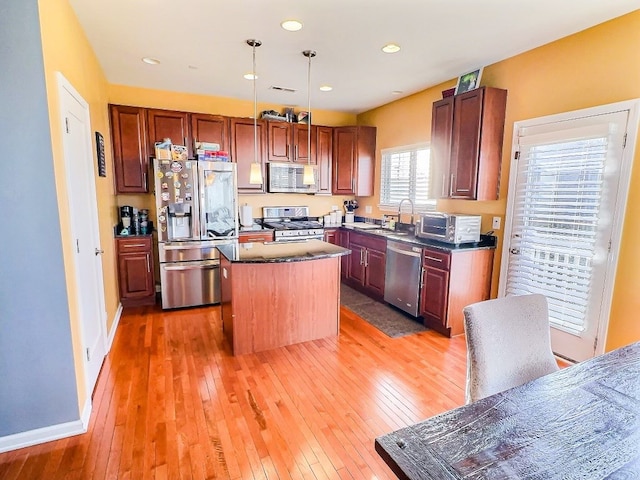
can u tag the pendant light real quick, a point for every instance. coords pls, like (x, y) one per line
(255, 174)
(308, 177)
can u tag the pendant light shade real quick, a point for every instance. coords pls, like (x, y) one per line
(255, 174)
(308, 177)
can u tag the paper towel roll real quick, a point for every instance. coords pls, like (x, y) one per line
(246, 215)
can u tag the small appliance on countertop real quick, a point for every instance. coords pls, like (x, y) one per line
(449, 227)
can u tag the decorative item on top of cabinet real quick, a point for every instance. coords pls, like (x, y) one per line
(367, 264)
(323, 150)
(466, 143)
(451, 281)
(242, 152)
(169, 124)
(354, 155)
(130, 154)
(211, 129)
(287, 142)
(135, 270)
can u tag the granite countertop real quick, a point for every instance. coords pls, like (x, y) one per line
(277, 252)
(486, 241)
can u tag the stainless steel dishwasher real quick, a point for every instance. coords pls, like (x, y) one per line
(402, 276)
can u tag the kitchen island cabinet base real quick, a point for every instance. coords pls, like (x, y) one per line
(271, 305)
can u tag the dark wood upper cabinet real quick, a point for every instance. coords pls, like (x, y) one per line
(323, 148)
(130, 154)
(441, 131)
(288, 142)
(210, 128)
(471, 157)
(300, 138)
(353, 160)
(169, 124)
(279, 135)
(242, 152)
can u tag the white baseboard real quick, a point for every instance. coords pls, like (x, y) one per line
(114, 327)
(45, 434)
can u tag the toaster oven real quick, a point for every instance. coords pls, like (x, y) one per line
(449, 228)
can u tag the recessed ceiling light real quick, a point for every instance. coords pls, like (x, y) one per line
(326, 88)
(291, 25)
(250, 76)
(391, 48)
(396, 92)
(150, 61)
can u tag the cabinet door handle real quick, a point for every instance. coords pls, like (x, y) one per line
(295, 153)
(287, 152)
(426, 257)
(144, 179)
(148, 264)
(361, 257)
(366, 258)
(451, 184)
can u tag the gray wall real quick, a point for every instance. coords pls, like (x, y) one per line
(37, 379)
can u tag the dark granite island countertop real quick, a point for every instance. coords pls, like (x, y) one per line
(276, 252)
(278, 294)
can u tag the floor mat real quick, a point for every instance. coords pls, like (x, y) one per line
(387, 319)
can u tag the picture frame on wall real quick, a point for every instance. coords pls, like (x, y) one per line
(469, 81)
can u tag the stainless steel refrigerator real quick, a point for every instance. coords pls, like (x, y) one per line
(197, 210)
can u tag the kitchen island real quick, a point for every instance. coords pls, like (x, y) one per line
(277, 294)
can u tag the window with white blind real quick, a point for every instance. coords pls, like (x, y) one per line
(405, 173)
(563, 193)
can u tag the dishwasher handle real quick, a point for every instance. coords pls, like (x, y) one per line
(409, 253)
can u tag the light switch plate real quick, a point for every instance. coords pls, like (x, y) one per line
(367, 209)
(496, 223)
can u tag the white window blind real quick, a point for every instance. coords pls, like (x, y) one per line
(556, 210)
(405, 173)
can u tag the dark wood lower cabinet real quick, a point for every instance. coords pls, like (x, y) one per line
(367, 264)
(451, 281)
(135, 270)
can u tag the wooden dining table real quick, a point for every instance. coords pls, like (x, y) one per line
(581, 422)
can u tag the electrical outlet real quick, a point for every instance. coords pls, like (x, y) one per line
(496, 223)
(367, 209)
(334, 207)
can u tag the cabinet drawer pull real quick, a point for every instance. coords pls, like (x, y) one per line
(133, 245)
(426, 257)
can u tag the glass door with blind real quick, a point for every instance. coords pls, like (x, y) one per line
(562, 221)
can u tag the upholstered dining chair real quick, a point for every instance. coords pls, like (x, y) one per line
(508, 344)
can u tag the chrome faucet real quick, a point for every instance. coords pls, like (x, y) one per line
(400, 208)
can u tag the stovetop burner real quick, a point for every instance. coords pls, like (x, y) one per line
(291, 223)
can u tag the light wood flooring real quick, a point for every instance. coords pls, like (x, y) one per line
(171, 402)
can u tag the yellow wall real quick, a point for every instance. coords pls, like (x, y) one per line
(598, 66)
(66, 50)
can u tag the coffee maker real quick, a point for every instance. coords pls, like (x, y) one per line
(126, 215)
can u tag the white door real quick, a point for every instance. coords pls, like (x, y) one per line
(79, 165)
(567, 193)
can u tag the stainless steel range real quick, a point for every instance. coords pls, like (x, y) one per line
(291, 224)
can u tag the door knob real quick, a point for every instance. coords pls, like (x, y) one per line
(515, 251)
(99, 252)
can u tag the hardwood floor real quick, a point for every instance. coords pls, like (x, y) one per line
(171, 402)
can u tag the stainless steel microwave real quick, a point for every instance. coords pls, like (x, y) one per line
(449, 228)
(288, 178)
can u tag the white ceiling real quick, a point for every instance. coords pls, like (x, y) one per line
(201, 43)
